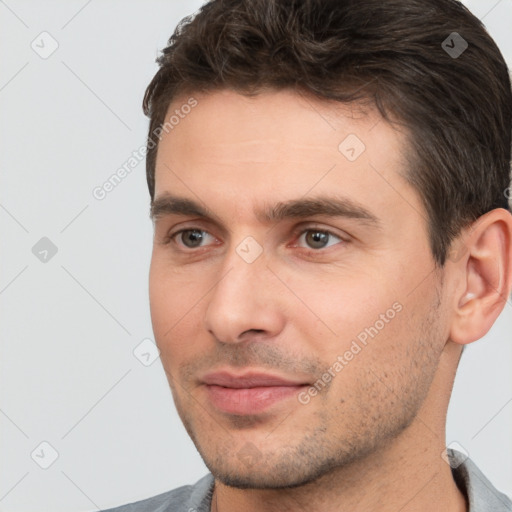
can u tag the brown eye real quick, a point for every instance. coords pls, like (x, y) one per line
(191, 238)
(318, 239)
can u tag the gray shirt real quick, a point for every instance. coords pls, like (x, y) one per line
(480, 493)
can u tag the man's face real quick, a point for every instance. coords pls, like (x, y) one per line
(343, 304)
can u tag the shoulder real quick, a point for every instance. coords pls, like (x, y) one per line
(480, 493)
(189, 498)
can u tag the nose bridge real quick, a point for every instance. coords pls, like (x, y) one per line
(244, 270)
(240, 301)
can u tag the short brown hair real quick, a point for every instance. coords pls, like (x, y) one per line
(394, 54)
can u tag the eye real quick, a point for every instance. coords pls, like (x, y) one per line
(191, 238)
(318, 238)
(314, 238)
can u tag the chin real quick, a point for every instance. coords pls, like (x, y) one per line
(260, 474)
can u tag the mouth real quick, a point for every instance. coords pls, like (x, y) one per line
(250, 393)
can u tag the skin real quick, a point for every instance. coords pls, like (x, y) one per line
(372, 439)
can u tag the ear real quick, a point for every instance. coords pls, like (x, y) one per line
(484, 275)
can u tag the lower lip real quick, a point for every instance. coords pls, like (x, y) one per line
(249, 400)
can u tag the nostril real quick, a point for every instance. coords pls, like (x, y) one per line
(257, 331)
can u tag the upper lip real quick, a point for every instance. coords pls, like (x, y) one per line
(247, 380)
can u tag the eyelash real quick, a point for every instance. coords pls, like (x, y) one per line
(296, 234)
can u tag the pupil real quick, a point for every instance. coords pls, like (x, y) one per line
(317, 238)
(194, 237)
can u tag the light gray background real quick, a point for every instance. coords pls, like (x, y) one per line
(69, 326)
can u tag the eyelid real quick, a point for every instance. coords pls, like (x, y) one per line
(189, 225)
(318, 227)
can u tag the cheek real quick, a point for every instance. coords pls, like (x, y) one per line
(359, 324)
(175, 303)
(344, 307)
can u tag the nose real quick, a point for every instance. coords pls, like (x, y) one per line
(246, 300)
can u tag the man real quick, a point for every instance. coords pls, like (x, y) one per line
(329, 183)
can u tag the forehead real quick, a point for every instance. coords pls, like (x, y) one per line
(280, 145)
(286, 121)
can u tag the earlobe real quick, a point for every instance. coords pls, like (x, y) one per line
(486, 277)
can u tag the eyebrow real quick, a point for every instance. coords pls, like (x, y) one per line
(293, 209)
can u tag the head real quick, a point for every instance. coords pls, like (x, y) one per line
(329, 187)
